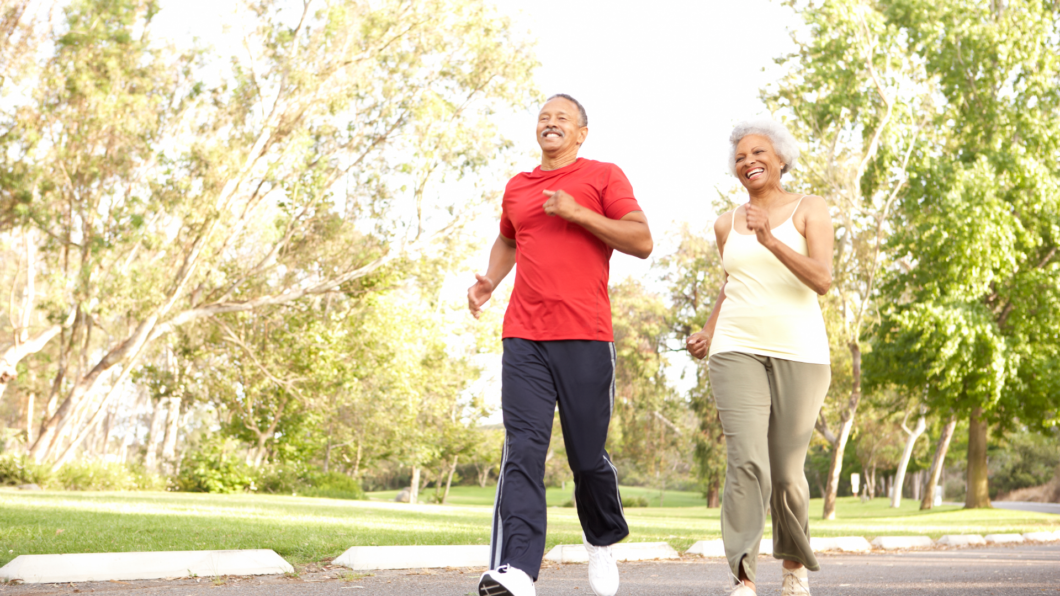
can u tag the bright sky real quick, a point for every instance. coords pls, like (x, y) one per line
(663, 84)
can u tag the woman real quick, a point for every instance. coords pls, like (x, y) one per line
(769, 362)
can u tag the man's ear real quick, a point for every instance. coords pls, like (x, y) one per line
(583, 132)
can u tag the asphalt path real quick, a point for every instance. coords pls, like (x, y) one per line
(994, 571)
(1026, 506)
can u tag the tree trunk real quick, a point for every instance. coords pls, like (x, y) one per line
(978, 486)
(449, 481)
(936, 464)
(154, 438)
(29, 417)
(714, 495)
(414, 486)
(835, 470)
(169, 443)
(907, 454)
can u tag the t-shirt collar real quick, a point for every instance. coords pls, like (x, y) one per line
(539, 173)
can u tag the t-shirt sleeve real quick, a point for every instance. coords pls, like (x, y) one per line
(507, 229)
(618, 196)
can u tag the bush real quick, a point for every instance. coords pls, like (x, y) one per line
(213, 469)
(283, 479)
(95, 476)
(19, 469)
(1030, 460)
(333, 485)
(628, 502)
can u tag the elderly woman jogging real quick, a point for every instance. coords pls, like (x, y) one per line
(768, 354)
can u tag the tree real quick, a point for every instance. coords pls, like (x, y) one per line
(858, 101)
(650, 426)
(161, 200)
(974, 314)
(694, 275)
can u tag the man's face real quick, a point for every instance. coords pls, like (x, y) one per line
(558, 127)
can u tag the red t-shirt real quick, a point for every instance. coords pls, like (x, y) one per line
(561, 268)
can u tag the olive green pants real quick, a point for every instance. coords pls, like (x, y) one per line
(767, 407)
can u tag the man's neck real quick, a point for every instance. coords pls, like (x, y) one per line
(555, 162)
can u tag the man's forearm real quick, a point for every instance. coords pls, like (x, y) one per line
(629, 235)
(502, 259)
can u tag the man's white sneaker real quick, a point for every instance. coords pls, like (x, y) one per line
(603, 571)
(796, 583)
(506, 581)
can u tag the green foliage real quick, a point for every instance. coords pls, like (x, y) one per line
(694, 276)
(214, 468)
(1027, 460)
(333, 485)
(19, 469)
(628, 502)
(95, 476)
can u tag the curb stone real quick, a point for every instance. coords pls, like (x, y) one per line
(902, 542)
(84, 567)
(364, 558)
(623, 551)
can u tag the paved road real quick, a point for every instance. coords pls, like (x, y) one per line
(1023, 506)
(994, 571)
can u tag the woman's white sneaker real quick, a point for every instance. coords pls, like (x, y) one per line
(506, 581)
(742, 590)
(603, 571)
(796, 582)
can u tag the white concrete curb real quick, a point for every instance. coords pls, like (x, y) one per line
(847, 544)
(47, 569)
(1042, 536)
(1004, 538)
(363, 558)
(900, 542)
(623, 551)
(709, 548)
(961, 540)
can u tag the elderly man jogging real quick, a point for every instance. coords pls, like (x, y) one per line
(560, 223)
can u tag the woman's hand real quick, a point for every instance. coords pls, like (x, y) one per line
(698, 344)
(758, 222)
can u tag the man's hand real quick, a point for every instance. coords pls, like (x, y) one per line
(478, 294)
(698, 344)
(561, 204)
(758, 222)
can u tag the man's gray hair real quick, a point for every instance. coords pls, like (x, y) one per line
(581, 109)
(783, 142)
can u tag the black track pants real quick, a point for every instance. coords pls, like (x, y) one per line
(536, 375)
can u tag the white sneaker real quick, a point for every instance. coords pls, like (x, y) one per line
(603, 571)
(506, 581)
(796, 582)
(742, 590)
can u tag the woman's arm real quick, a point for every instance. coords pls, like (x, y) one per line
(814, 270)
(698, 344)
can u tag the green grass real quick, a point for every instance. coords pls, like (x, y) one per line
(555, 497)
(305, 530)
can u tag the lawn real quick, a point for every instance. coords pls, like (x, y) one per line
(304, 530)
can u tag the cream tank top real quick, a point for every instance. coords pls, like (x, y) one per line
(767, 310)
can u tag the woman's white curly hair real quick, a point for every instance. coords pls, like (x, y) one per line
(783, 142)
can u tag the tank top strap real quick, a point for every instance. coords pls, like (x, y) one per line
(732, 224)
(791, 217)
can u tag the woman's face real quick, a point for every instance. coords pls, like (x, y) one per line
(757, 165)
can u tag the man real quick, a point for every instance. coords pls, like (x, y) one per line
(560, 223)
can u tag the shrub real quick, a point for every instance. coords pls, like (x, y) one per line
(19, 469)
(213, 469)
(628, 502)
(95, 476)
(1029, 460)
(283, 479)
(333, 485)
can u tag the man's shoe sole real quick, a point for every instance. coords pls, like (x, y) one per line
(489, 587)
